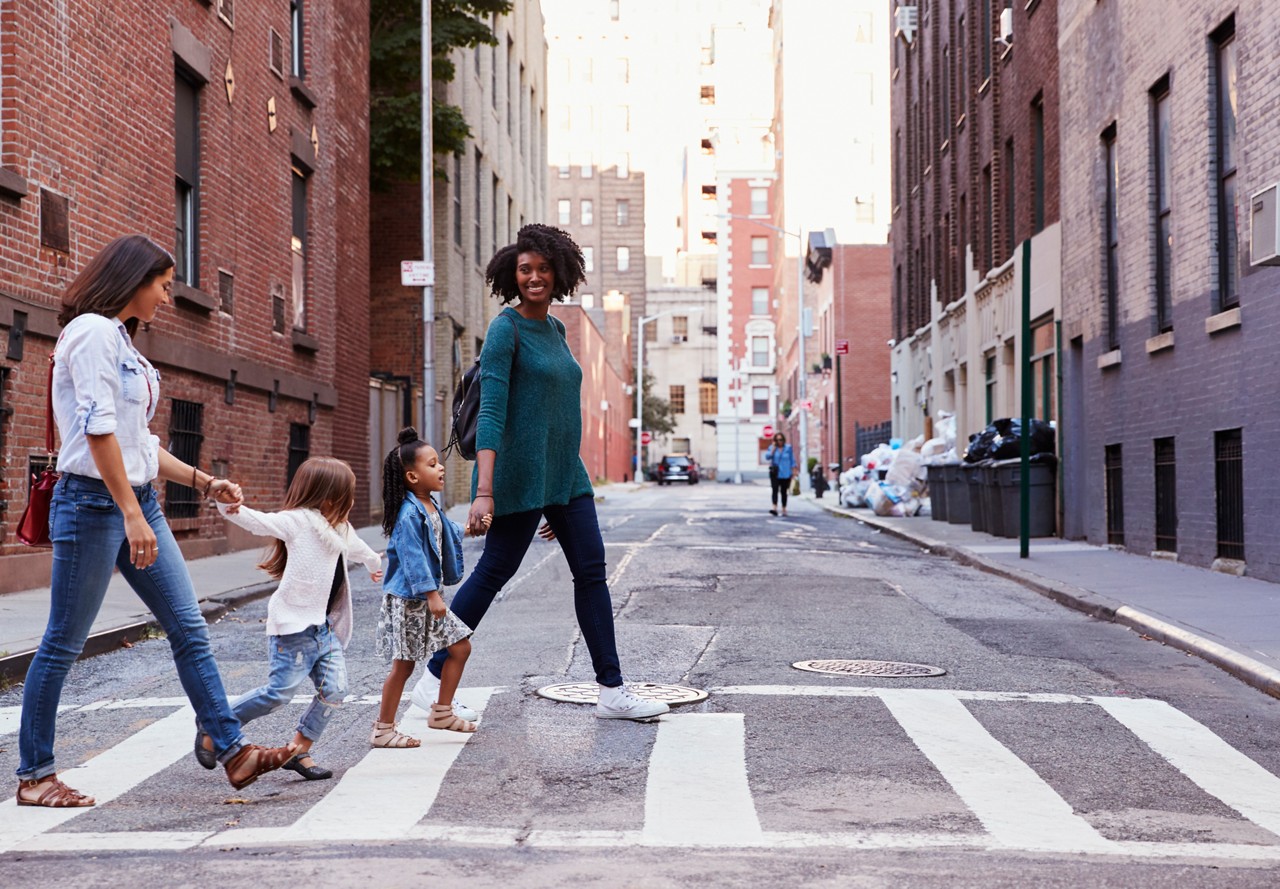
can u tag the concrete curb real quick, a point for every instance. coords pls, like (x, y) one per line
(1250, 671)
(13, 667)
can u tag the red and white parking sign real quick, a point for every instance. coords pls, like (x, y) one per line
(842, 347)
(645, 438)
(767, 431)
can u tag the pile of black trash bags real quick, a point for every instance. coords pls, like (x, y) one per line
(1002, 440)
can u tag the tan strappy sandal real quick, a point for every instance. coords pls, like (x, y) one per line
(56, 795)
(443, 717)
(385, 735)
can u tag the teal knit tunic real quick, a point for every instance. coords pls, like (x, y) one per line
(530, 416)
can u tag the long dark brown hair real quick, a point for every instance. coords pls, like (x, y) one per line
(405, 453)
(110, 280)
(325, 484)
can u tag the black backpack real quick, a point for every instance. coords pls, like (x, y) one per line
(466, 404)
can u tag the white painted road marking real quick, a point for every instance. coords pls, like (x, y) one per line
(1213, 764)
(1013, 803)
(697, 792)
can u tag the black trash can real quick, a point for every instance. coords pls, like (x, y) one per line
(996, 524)
(977, 503)
(939, 493)
(957, 485)
(1043, 472)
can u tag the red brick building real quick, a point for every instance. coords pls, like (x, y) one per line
(607, 446)
(207, 126)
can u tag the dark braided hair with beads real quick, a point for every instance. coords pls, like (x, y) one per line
(554, 245)
(403, 454)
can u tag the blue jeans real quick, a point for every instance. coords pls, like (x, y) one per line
(578, 533)
(314, 652)
(88, 541)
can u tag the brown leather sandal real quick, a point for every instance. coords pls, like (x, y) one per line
(265, 759)
(443, 717)
(56, 795)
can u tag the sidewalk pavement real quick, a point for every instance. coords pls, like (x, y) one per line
(1232, 622)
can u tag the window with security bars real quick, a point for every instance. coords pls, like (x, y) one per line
(677, 399)
(1228, 466)
(1166, 497)
(186, 434)
(1115, 494)
(299, 449)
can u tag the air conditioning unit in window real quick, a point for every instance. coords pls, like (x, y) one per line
(679, 338)
(1264, 227)
(906, 20)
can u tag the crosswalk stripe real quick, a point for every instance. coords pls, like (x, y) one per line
(1013, 803)
(108, 775)
(1210, 762)
(697, 792)
(389, 791)
(867, 691)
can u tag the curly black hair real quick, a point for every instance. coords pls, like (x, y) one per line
(555, 244)
(403, 454)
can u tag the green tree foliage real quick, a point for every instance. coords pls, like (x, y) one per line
(395, 80)
(659, 418)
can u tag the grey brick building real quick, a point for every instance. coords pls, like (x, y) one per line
(1170, 415)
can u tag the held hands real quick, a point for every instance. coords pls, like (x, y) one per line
(141, 540)
(226, 491)
(545, 532)
(376, 576)
(480, 517)
(435, 604)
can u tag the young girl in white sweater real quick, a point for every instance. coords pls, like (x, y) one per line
(309, 614)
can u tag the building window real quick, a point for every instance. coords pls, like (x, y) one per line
(479, 197)
(588, 258)
(564, 171)
(759, 351)
(564, 210)
(1225, 108)
(759, 250)
(989, 229)
(624, 259)
(1228, 459)
(1160, 156)
(708, 398)
(1166, 497)
(708, 148)
(1037, 165)
(962, 67)
(759, 300)
(623, 168)
(1114, 468)
(759, 400)
(759, 201)
(989, 377)
(623, 212)
(1043, 377)
(651, 333)
(864, 209)
(295, 27)
(299, 449)
(623, 70)
(677, 399)
(494, 204)
(457, 199)
(186, 179)
(1112, 173)
(707, 94)
(897, 168)
(1010, 207)
(948, 83)
(299, 250)
(680, 446)
(588, 216)
(986, 39)
(621, 122)
(186, 433)
(680, 328)
(614, 10)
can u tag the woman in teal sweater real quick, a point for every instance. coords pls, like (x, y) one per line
(528, 434)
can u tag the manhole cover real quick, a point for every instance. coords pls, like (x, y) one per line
(589, 693)
(887, 669)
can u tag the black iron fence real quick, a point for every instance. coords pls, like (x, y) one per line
(866, 438)
(1228, 448)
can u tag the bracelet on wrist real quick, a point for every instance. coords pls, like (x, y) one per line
(482, 494)
(208, 486)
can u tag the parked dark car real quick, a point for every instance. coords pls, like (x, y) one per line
(677, 468)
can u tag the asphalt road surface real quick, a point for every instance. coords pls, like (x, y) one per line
(1056, 750)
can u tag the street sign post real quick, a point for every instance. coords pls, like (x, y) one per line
(645, 438)
(416, 273)
(767, 431)
(842, 347)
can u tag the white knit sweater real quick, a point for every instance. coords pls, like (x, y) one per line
(314, 549)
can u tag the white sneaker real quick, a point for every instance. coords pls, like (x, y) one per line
(424, 694)
(623, 703)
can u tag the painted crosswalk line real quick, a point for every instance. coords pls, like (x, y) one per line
(698, 790)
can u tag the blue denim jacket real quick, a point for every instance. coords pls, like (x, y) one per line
(783, 458)
(414, 568)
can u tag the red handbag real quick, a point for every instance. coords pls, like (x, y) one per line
(33, 527)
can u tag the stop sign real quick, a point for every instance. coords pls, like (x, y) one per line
(645, 438)
(767, 431)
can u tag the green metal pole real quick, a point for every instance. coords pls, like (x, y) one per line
(1028, 403)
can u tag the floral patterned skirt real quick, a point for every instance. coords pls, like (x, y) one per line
(408, 632)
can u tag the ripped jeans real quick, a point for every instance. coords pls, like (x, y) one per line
(314, 652)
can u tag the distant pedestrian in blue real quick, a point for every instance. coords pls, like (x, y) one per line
(782, 466)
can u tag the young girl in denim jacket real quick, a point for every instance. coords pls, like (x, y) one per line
(309, 614)
(424, 554)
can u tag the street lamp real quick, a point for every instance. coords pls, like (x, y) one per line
(688, 310)
(801, 388)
